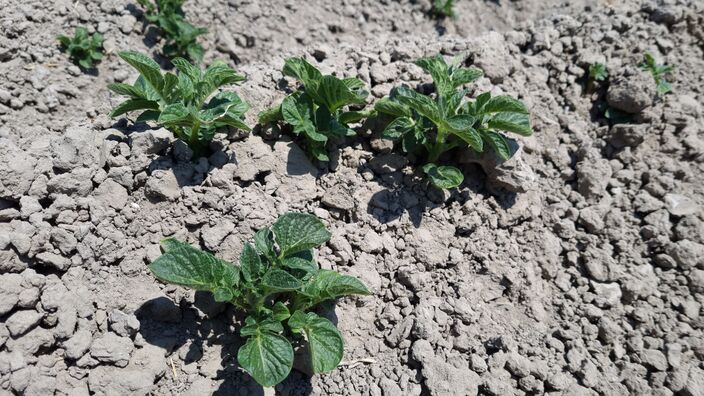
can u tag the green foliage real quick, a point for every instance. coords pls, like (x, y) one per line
(443, 8)
(319, 110)
(436, 125)
(179, 35)
(658, 72)
(598, 72)
(83, 49)
(276, 284)
(180, 102)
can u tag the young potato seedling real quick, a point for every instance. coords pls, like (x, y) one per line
(319, 110)
(83, 48)
(443, 8)
(435, 126)
(658, 72)
(180, 102)
(597, 73)
(179, 35)
(276, 284)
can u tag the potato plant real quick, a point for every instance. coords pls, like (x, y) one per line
(277, 284)
(179, 35)
(431, 126)
(658, 72)
(83, 49)
(443, 8)
(597, 73)
(319, 110)
(182, 102)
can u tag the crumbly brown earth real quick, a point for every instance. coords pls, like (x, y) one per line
(575, 268)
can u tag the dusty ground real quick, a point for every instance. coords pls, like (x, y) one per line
(576, 268)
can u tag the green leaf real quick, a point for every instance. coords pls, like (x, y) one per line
(264, 243)
(389, 106)
(149, 69)
(328, 285)
(333, 93)
(176, 115)
(420, 103)
(184, 265)
(299, 264)
(462, 127)
(279, 312)
(504, 104)
(250, 263)
(271, 115)
(294, 232)
(439, 70)
(398, 127)
(267, 357)
(280, 280)
(127, 90)
(498, 142)
(465, 76)
(325, 343)
(443, 177)
(187, 68)
(301, 70)
(149, 115)
(663, 87)
(132, 105)
(297, 111)
(223, 294)
(512, 122)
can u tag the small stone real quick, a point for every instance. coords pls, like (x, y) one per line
(54, 260)
(518, 365)
(339, 196)
(695, 383)
(22, 321)
(111, 194)
(29, 205)
(609, 294)
(111, 348)
(150, 142)
(686, 254)
(478, 364)
(77, 346)
(680, 205)
(162, 185)
(696, 280)
(654, 359)
(123, 324)
(631, 92)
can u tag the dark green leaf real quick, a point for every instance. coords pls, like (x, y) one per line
(333, 93)
(444, 177)
(267, 357)
(127, 90)
(300, 264)
(512, 122)
(504, 104)
(438, 69)
(465, 76)
(184, 265)
(279, 312)
(328, 285)
(294, 232)
(325, 343)
(398, 128)
(264, 243)
(250, 263)
(420, 103)
(301, 70)
(391, 107)
(132, 105)
(149, 69)
(271, 115)
(498, 143)
(177, 115)
(280, 280)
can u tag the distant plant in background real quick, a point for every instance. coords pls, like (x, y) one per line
(443, 8)
(180, 102)
(658, 72)
(319, 110)
(179, 35)
(83, 49)
(277, 285)
(432, 126)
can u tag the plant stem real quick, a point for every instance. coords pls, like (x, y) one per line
(438, 147)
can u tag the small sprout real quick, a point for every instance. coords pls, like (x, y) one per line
(179, 35)
(319, 110)
(658, 72)
(443, 8)
(276, 284)
(179, 102)
(597, 72)
(435, 126)
(83, 49)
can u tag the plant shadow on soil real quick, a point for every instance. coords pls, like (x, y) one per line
(206, 323)
(398, 198)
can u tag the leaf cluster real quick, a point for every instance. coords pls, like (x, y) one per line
(276, 283)
(598, 72)
(436, 125)
(181, 102)
(179, 35)
(319, 109)
(658, 72)
(83, 49)
(443, 8)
